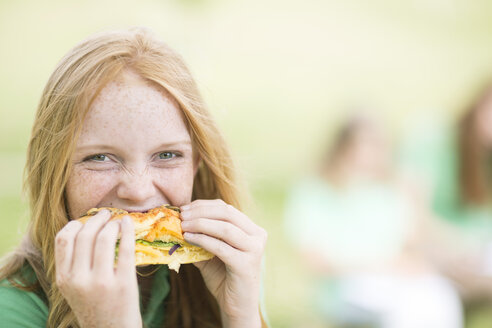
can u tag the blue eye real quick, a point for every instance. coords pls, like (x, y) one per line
(98, 158)
(166, 155)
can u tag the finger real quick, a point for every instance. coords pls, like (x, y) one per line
(126, 252)
(218, 210)
(64, 243)
(222, 230)
(104, 251)
(222, 250)
(84, 242)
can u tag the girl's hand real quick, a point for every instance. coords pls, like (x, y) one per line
(100, 294)
(233, 276)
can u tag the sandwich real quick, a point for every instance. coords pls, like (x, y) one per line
(158, 237)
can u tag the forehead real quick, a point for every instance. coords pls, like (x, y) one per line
(130, 110)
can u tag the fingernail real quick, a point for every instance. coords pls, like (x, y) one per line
(187, 236)
(126, 219)
(185, 215)
(105, 212)
(185, 207)
(185, 224)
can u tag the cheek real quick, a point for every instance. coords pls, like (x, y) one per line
(176, 185)
(85, 189)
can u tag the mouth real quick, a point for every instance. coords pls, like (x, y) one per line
(137, 210)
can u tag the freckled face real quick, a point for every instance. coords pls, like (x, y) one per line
(134, 151)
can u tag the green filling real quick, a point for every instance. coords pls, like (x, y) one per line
(116, 250)
(156, 243)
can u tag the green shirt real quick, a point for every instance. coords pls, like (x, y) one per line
(363, 223)
(19, 308)
(430, 149)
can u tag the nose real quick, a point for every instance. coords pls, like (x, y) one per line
(136, 186)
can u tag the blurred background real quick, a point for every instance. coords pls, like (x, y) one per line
(283, 79)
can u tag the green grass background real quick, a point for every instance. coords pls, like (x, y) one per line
(277, 75)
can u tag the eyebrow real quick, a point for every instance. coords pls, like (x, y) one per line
(105, 147)
(175, 144)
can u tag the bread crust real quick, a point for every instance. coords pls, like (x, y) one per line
(161, 224)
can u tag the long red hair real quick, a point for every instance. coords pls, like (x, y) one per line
(67, 97)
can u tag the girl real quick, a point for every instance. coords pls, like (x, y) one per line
(121, 124)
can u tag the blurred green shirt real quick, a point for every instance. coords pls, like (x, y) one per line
(365, 223)
(19, 308)
(430, 149)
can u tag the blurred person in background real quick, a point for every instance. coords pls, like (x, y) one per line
(356, 227)
(455, 160)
